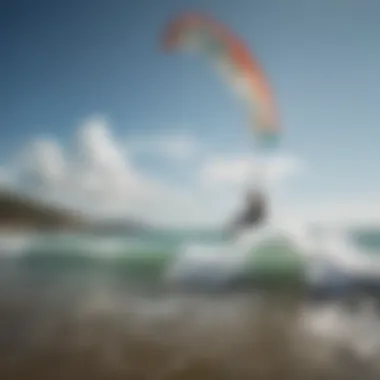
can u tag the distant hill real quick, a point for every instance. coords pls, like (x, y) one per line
(20, 212)
(17, 211)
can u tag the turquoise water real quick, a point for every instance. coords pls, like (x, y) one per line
(160, 257)
(368, 239)
(198, 256)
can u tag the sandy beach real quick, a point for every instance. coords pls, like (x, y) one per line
(100, 332)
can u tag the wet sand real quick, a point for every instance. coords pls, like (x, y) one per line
(101, 333)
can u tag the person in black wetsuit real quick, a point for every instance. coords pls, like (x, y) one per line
(254, 213)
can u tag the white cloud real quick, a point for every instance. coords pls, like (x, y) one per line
(344, 211)
(221, 170)
(42, 163)
(100, 163)
(245, 169)
(177, 146)
(6, 177)
(98, 177)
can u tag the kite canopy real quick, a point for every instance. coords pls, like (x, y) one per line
(232, 57)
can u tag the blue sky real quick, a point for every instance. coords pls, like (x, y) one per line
(65, 61)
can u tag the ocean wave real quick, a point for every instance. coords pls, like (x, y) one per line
(327, 253)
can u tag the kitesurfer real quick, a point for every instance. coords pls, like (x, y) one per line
(253, 214)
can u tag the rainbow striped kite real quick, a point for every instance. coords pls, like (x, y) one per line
(230, 55)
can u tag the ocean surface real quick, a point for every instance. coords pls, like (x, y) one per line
(187, 304)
